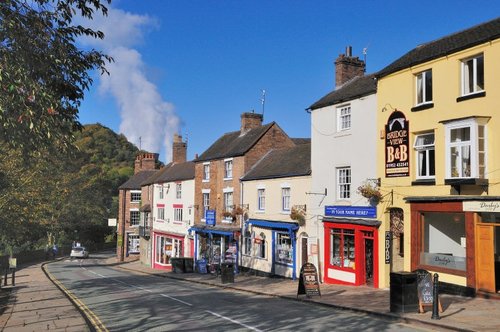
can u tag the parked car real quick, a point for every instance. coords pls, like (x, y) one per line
(79, 252)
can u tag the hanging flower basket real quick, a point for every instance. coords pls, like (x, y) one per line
(298, 216)
(370, 191)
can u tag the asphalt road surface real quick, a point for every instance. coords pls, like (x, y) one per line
(127, 301)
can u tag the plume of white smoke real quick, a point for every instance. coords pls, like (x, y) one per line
(145, 117)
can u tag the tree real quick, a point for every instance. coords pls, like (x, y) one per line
(43, 74)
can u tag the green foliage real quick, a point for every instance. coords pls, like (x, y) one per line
(43, 74)
(69, 194)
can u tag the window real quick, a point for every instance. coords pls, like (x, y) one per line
(285, 199)
(466, 148)
(166, 248)
(206, 172)
(342, 250)
(424, 87)
(133, 242)
(135, 196)
(160, 191)
(228, 201)
(206, 203)
(284, 249)
(343, 118)
(178, 190)
(443, 242)
(247, 243)
(161, 213)
(473, 75)
(424, 147)
(177, 214)
(228, 169)
(260, 246)
(344, 183)
(261, 199)
(135, 217)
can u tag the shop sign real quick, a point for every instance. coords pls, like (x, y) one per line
(388, 245)
(351, 211)
(210, 217)
(481, 206)
(397, 144)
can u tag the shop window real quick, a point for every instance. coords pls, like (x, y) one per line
(284, 249)
(425, 153)
(166, 248)
(247, 243)
(466, 148)
(443, 240)
(342, 249)
(260, 246)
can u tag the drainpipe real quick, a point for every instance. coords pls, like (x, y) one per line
(122, 225)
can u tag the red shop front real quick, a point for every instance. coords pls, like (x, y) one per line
(165, 247)
(351, 251)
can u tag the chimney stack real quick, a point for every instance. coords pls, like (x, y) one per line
(347, 67)
(145, 161)
(250, 121)
(179, 149)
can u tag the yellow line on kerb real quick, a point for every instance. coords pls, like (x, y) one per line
(96, 322)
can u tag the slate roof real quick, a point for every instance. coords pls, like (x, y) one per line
(172, 172)
(301, 140)
(136, 180)
(279, 163)
(234, 144)
(453, 43)
(356, 88)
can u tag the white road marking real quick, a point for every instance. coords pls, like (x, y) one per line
(173, 298)
(233, 321)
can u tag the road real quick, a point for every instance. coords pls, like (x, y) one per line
(127, 301)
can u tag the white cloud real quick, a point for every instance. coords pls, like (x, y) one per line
(144, 113)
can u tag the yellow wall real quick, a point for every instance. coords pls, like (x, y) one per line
(397, 91)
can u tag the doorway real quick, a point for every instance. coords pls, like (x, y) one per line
(488, 258)
(369, 261)
(304, 251)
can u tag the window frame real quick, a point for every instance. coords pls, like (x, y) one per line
(261, 199)
(135, 196)
(205, 196)
(134, 215)
(467, 71)
(344, 187)
(206, 172)
(228, 169)
(282, 238)
(425, 149)
(178, 190)
(344, 121)
(422, 90)
(286, 194)
(228, 202)
(178, 214)
(133, 239)
(161, 212)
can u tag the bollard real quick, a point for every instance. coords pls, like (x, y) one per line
(13, 276)
(5, 276)
(435, 294)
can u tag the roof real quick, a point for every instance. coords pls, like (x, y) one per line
(279, 163)
(453, 43)
(234, 144)
(301, 140)
(173, 172)
(358, 87)
(136, 180)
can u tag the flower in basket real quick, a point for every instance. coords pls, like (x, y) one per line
(237, 211)
(298, 215)
(370, 191)
(227, 214)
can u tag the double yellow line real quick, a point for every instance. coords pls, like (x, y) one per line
(89, 315)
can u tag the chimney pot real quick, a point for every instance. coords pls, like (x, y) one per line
(348, 67)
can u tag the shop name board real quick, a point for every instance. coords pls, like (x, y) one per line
(210, 217)
(397, 146)
(481, 206)
(388, 245)
(351, 211)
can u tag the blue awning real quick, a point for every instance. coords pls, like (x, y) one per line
(212, 231)
(273, 224)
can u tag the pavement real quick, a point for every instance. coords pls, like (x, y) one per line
(35, 303)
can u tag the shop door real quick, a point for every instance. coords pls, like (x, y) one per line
(485, 263)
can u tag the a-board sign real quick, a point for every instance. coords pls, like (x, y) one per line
(308, 281)
(202, 266)
(424, 287)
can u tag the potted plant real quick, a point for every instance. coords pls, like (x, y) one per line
(371, 191)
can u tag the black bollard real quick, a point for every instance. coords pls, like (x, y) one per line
(13, 276)
(435, 295)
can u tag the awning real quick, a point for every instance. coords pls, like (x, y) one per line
(273, 224)
(353, 221)
(229, 231)
(145, 208)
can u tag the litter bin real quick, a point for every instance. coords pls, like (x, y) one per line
(227, 273)
(403, 292)
(177, 265)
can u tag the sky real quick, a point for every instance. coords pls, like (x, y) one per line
(193, 67)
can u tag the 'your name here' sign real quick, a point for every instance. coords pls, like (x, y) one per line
(351, 211)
